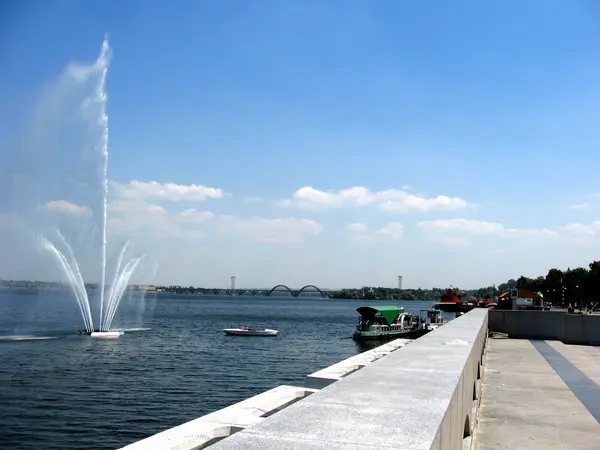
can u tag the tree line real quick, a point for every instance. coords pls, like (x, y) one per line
(579, 286)
(385, 293)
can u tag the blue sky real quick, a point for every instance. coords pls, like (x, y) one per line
(466, 135)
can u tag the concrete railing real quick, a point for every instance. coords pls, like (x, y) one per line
(331, 374)
(420, 396)
(206, 430)
(547, 325)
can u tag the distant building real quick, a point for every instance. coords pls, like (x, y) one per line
(147, 288)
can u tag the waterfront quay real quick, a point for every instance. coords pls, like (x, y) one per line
(539, 395)
(467, 385)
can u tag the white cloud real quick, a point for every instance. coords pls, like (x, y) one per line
(132, 214)
(357, 227)
(193, 215)
(135, 207)
(582, 206)
(142, 218)
(139, 217)
(413, 202)
(389, 200)
(591, 203)
(452, 240)
(470, 226)
(65, 207)
(172, 192)
(459, 231)
(393, 230)
(581, 230)
(269, 230)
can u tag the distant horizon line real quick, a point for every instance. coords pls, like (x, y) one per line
(227, 288)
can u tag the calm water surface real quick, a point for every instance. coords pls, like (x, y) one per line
(74, 392)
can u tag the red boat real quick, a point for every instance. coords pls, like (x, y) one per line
(451, 302)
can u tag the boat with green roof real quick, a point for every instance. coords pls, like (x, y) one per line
(388, 322)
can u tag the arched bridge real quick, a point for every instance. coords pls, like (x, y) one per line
(293, 293)
(280, 289)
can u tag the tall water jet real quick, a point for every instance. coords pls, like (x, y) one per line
(102, 99)
(109, 296)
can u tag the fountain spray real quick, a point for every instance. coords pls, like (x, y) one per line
(108, 304)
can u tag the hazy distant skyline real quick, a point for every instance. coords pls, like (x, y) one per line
(331, 143)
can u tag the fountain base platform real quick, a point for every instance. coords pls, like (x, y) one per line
(101, 334)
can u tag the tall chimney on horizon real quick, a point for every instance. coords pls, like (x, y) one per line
(400, 282)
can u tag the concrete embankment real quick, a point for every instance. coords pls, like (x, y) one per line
(420, 396)
(547, 325)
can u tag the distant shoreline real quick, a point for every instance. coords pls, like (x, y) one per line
(24, 289)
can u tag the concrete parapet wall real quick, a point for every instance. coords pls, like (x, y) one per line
(422, 396)
(547, 325)
(331, 374)
(204, 431)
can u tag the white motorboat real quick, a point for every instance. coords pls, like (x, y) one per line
(106, 334)
(250, 331)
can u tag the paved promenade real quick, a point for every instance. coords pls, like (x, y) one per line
(539, 395)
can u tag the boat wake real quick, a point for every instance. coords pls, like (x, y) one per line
(131, 330)
(26, 338)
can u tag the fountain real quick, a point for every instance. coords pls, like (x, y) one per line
(110, 295)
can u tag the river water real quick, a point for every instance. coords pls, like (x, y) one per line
(74, 392)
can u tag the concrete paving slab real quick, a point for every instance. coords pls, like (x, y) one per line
(526, 405)
(241, 441)
(508, 435)
(366, 425)
(587, 361)
(593, 350)
(585, 389)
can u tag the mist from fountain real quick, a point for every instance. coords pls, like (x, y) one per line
(111, 295)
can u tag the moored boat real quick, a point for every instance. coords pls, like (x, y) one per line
(250, 331)
(387, 322)
(433, 319)
(452, 302)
